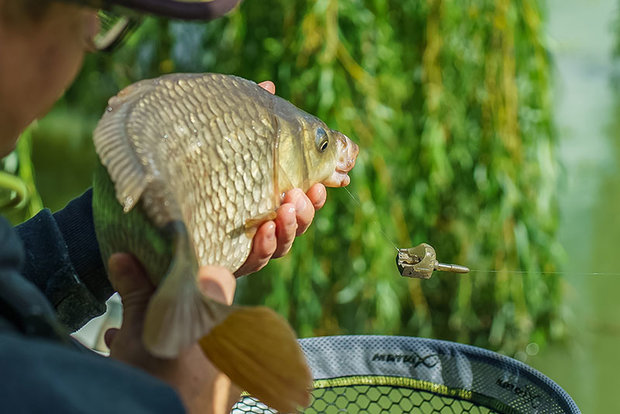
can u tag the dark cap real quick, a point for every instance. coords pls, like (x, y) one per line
(187, 9)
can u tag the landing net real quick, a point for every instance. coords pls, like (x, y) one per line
(389, 374)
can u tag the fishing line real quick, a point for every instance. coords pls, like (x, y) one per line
(547, 273)
(359, 204)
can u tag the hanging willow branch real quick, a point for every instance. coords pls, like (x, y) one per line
(449, 101)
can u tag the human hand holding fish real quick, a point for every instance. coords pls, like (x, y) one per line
(194, 166)
(201, 386)
(274, 238)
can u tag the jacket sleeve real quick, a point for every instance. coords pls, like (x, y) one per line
(45, 377)
(63, 261)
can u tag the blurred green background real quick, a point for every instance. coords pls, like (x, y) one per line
(487, 129)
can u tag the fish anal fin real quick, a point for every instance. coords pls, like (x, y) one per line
(177, 317)
(179, 313)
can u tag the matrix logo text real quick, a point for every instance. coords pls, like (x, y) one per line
(412, 359)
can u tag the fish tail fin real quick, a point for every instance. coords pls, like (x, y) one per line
(259, 352)
(254, 346)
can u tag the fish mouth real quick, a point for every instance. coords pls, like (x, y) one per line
(346, 154)
(338, 179)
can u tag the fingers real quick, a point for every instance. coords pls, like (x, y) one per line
(217, 283)
(201, 387)
(317, 195)
(263, 247)
(286, 228)
(304, 206)
(275, 238)
(269, 86)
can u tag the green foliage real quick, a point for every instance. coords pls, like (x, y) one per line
(449, 101)
(17, 168)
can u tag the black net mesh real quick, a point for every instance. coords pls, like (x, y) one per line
(381, 374)
(373, 400)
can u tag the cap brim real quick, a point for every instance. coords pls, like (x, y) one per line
(186, 10)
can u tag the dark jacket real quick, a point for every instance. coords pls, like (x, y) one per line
(52, 281)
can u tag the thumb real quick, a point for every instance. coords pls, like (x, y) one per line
(129, 279)
(218, 283)
(127, 275)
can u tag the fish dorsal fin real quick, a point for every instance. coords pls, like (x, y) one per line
(117, 150)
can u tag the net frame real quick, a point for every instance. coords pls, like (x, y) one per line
(444, 369)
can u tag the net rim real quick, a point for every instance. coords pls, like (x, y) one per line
(443, 348)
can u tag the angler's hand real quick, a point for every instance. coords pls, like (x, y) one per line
(275, 238)
(202, 388)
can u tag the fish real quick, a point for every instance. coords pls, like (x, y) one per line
(190, 166)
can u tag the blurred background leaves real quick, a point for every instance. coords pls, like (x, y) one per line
(450, 103)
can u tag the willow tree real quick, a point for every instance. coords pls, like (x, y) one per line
(449, 101)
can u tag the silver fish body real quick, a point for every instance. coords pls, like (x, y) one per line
(215, 152)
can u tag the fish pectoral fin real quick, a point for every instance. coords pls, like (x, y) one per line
(179, 313)
(251, 225)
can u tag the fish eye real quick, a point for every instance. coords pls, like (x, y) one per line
(322, 140)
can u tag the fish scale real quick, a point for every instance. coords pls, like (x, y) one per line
(182, 159)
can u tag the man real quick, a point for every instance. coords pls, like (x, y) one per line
(51, 274)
